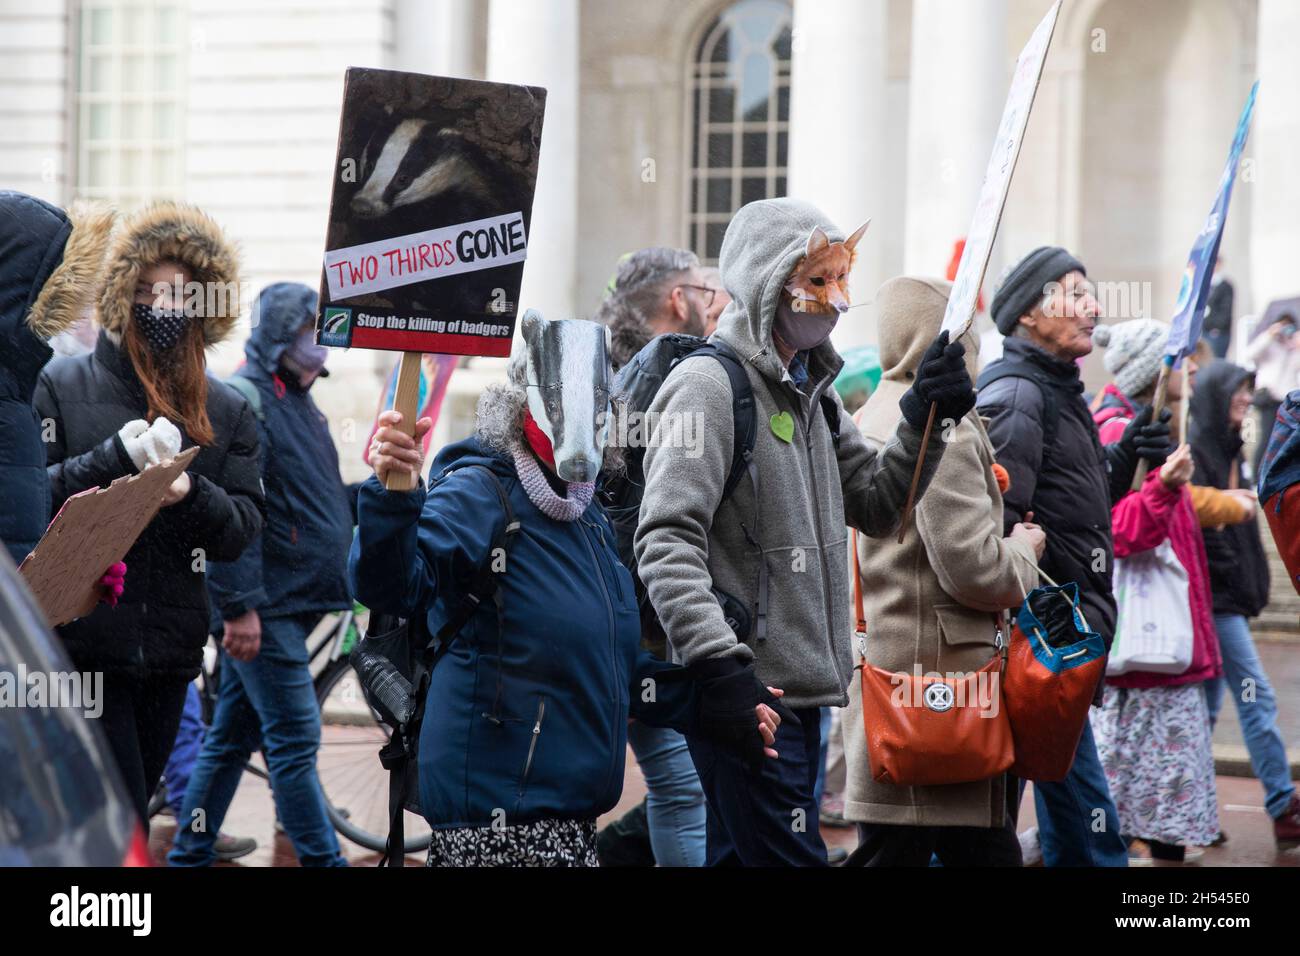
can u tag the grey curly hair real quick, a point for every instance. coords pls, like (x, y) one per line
(499, 418)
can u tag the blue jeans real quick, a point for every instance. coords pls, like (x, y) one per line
(824, 725)
(1069, 829)
(1258, 717)
(675, 809)
(185, 751)
(764, 816)
(268, 703)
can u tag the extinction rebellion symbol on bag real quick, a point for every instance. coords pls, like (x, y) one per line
(938, 697)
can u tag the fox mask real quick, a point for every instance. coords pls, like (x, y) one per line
(820, 281)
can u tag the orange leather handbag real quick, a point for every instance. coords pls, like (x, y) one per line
(929, 730)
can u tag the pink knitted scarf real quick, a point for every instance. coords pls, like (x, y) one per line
(543, 496)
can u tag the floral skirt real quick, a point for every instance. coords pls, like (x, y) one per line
(541, 843)
(1154, 744)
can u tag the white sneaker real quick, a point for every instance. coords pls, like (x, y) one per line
(1030, 849)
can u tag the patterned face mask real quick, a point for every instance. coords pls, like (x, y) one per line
(162, 328)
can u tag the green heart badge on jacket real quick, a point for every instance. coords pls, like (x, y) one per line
(783, 426)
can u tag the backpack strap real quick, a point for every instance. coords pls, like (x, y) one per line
(744, 417)
(484, 585)
(252, 395)
(831, 412)
(1024, 370)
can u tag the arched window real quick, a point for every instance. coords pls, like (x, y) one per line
(740, 117)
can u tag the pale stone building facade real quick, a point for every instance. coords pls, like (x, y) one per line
(663, 117)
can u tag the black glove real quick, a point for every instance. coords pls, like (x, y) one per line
(1142, 439)
(940, 378)
(1148, 439)
(729, 690)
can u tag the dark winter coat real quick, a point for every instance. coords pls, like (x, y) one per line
(50, 267)
(1067, 486)
(529, 720)
(161, 622)
(298, 564)
(1238, 567)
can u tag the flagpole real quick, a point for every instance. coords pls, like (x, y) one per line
(1157, 406)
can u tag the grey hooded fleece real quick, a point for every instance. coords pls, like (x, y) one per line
(688, 540)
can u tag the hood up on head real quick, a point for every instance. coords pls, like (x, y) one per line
(278, 315)
(170, 230)
(1209, 406)
(51, 268)
(762, 245)
(909, 313)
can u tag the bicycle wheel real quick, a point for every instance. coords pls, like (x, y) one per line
(354, 783)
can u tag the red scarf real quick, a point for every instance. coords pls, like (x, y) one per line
(537, 440)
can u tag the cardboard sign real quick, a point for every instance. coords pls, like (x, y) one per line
(430, 213)
(93, 530)
(1189, 312)
(960, 312)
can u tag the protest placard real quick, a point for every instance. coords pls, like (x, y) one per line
(960, 311)
(430, 213)
(974, 263)
(92, 531)
(430, 216)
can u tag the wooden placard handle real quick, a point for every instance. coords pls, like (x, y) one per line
(1157, 406)
(406, 399)
(916, 473)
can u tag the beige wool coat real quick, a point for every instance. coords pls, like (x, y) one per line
(931, 599)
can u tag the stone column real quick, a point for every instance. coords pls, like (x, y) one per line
(536, 42)
(1274, 141)
(837, 131)
(957, 88)
(437, 36)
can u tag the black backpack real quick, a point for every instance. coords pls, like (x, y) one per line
(394, 662)
(1005, 368)
(636, 386)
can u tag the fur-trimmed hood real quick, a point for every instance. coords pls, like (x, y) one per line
(53, 263)
(51, 266)
(170, 230)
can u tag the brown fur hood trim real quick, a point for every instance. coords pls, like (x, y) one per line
(77, 279)
(170, 230)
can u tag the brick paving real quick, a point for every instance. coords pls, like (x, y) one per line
(252, 814)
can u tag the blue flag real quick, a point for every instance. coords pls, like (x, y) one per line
(1185, 330)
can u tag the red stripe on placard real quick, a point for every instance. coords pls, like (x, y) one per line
(396, 340)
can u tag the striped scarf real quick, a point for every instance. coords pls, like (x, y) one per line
(543, 496)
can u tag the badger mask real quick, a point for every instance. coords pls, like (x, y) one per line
(568, 390)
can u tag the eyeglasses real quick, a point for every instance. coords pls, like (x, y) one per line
(600, 387)
(702, 288)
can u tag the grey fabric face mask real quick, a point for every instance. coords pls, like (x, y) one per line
(803, 330)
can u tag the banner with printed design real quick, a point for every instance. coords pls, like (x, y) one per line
(1189, 312)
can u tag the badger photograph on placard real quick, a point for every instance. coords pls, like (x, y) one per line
(430, 213)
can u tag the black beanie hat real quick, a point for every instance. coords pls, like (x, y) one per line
(1026, 283)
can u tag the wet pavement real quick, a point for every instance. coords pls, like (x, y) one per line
(348, 749)
(1241, 813)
